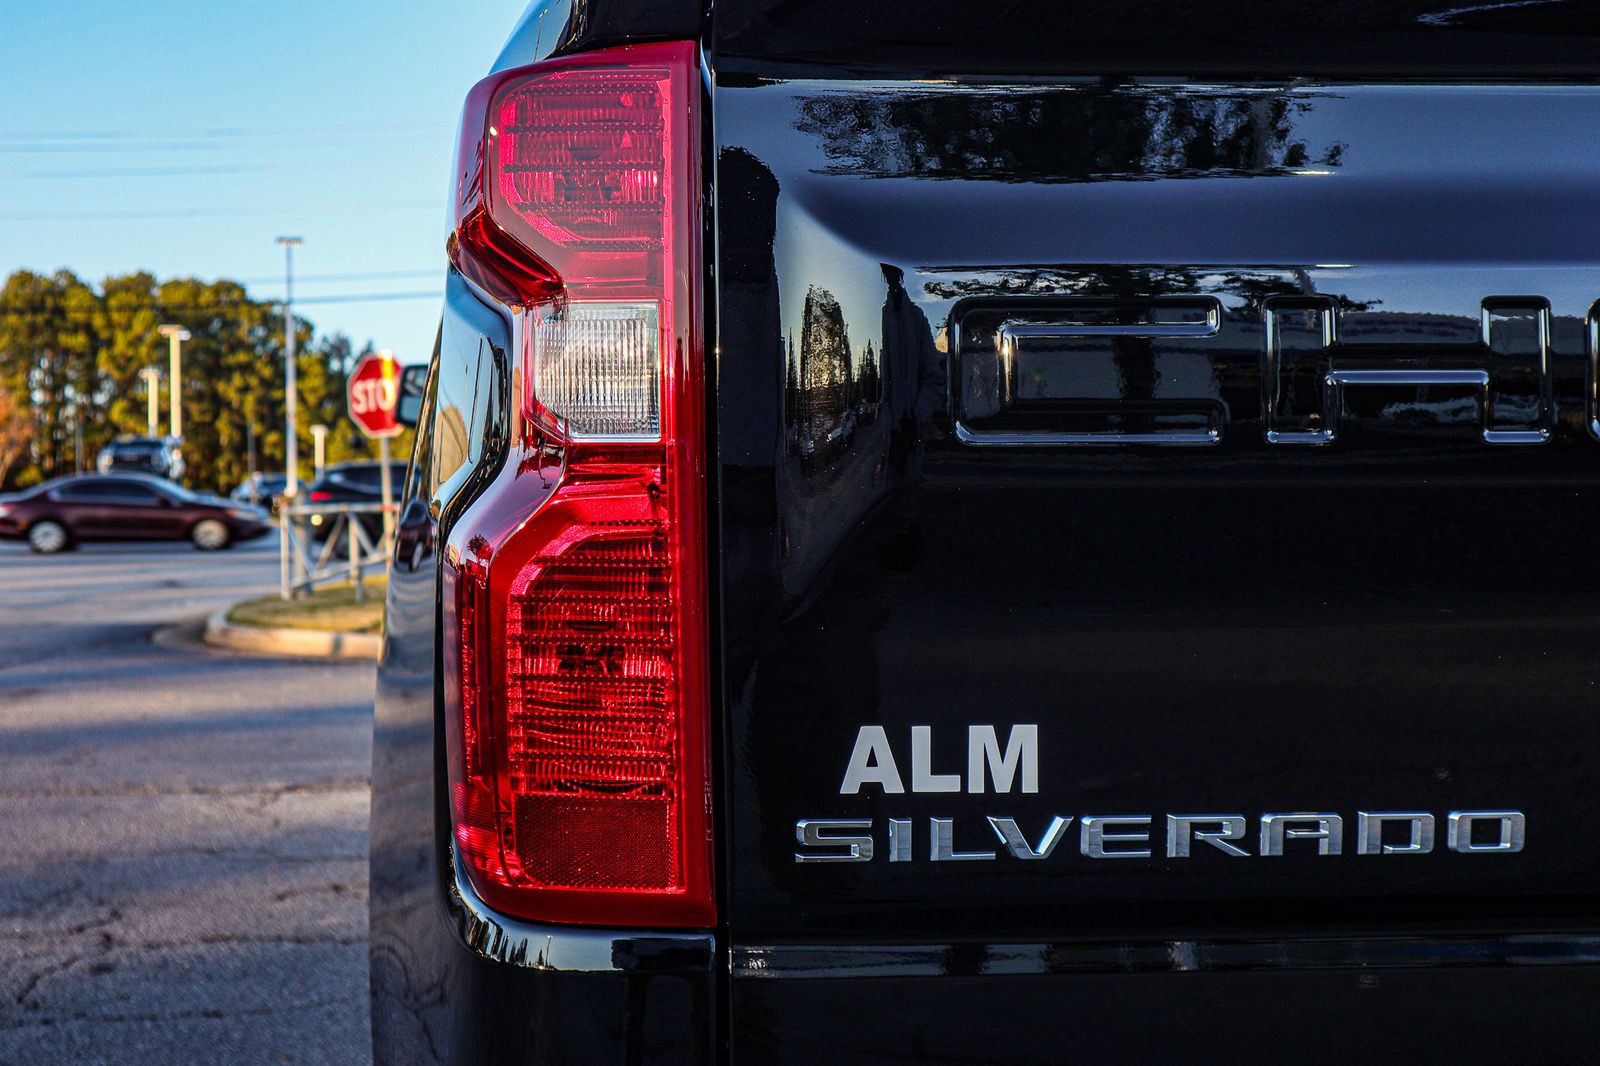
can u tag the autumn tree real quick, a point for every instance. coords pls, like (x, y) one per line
(16, 431)
(71, 356)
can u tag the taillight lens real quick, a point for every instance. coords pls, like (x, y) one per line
(576, 645)
(321, 496)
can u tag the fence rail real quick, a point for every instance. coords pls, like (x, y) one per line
(307, 559)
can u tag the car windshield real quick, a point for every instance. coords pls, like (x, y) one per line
(135, 450)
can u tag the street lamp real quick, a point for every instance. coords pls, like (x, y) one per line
(291, 449)
(175, 335)
(152, 396)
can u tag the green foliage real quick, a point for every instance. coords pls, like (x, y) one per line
(74, 354)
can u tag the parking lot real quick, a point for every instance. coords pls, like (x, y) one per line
(183, 856)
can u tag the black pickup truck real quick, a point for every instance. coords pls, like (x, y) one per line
(1030, 532)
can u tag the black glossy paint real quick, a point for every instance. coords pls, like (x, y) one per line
(1206, 622)
(1235, 39)
(1318, 1018)
(1396, 620)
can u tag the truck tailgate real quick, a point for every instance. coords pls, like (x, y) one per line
(1154, 513)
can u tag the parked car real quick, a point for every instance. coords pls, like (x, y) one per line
(58, 514)
(161, 456)
(1020, 533)
(260, 490)
(352, 482)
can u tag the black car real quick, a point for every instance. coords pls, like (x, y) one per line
(260, 490)
(161, 456)
(1020, 533)
(352, 483)
(59, 514)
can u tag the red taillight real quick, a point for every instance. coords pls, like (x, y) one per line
(576, 650)
(321, 496)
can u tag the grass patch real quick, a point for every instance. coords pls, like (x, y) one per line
(332, 608)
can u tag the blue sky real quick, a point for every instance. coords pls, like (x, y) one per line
(181, 137)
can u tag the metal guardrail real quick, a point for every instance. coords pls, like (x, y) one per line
(304, 564)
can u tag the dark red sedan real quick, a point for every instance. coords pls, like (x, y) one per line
(57, 514)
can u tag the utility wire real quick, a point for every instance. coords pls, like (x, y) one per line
(135, 172)
(369, 275)
(355, 298)
(221, 212)
(207, 144)
(368, 162)
(130, 147)
(225, 305)
(220, 132)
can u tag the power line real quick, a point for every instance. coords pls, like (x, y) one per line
(345, 139)
(367, 275)
(134, 172)
(364, 163)
(73, 147)
(323, 208)
(225, 305)
(355, 298)
(218, 132)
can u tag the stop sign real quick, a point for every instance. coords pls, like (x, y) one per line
(373, 391)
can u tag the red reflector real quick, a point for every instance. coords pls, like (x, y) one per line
(624, 842)
(576, 698)
(592, 737)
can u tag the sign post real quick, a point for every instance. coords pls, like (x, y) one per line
(373, 392)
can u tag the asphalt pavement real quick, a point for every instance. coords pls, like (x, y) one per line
(183, 850)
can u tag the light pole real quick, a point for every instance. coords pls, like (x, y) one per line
(319, 447)
(385, 464)
(291, 449)
(175, 335)
(290, 561)
(152, 396)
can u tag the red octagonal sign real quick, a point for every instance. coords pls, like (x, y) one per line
(373, 392)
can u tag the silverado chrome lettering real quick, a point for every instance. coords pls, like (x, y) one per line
(1110, 836)
(1183, 828)
(1326, 829)
(1131, 836)
(1006, 829)
(835, 834)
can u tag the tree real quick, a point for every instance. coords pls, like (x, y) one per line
(70, 362)
(129, 344)
(48, 341)
(16, 431)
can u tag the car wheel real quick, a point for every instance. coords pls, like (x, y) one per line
(47, 537)
(209, 535)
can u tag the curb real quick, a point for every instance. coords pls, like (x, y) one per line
(298, 643)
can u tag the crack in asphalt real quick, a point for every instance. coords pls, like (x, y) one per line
(338, 888)
(79, 929)
(275, 791)
(23, 995)
(209, 1013)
